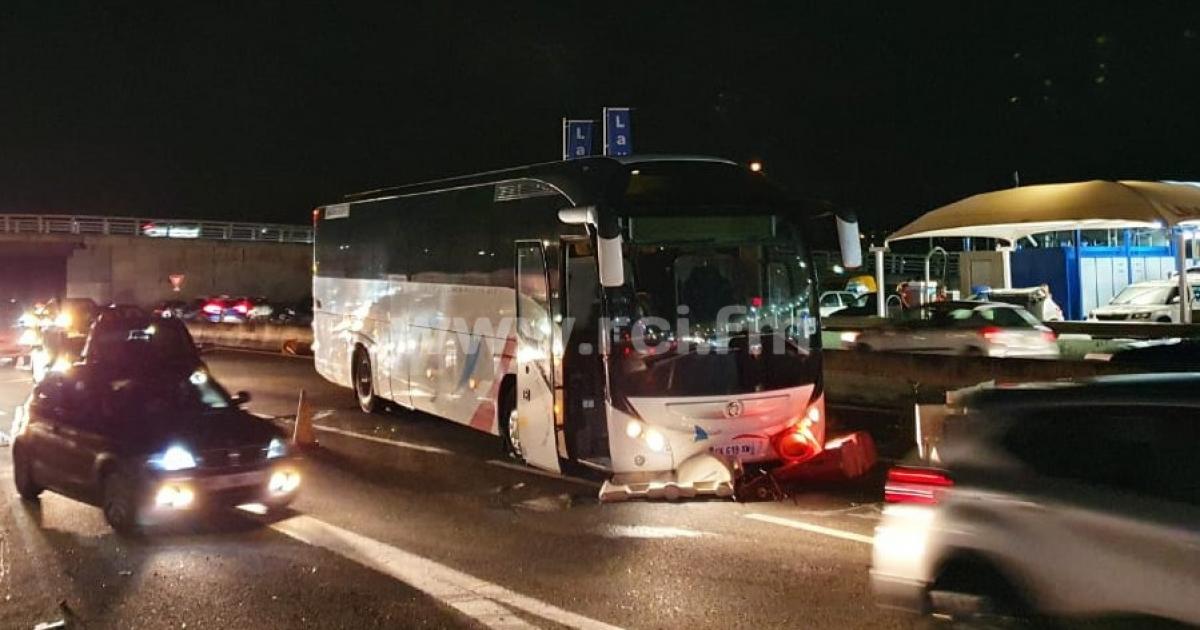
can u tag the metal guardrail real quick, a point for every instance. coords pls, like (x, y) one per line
(153, 228)
(893, 264)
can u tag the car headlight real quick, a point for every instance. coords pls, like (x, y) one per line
(174, 458)
(1145, 315)
(277, 448)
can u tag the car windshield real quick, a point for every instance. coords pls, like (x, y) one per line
(1143, 295)
(162, 394)
(723, 305)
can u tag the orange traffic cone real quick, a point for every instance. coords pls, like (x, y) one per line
(304, 435)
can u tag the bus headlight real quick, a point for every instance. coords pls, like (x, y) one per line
(655, 440)
(633, 429)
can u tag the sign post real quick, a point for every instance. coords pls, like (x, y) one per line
(577, 138)
(618, 135)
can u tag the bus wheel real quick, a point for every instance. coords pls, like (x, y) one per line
(506, 418)
(364, 382)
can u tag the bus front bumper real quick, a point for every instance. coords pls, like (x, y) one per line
(703, 474)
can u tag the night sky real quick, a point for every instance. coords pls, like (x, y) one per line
(242, 110)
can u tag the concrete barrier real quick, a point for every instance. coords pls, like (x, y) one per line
(281, 338)
(897, 380)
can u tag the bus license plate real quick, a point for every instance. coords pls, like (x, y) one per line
(744, 449)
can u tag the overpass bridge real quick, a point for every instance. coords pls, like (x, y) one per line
(133, 260)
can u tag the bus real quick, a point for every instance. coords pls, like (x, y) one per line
(653, 317)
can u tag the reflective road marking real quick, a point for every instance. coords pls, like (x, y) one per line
(809, 527)
(487, 603)
(371, 438)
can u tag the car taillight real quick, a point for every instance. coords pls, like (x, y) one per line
(212, 308)
(990, 332)
(242, 308)
(1049, 336)
(921, 486)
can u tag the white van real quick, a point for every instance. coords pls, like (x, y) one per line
(1149, 301)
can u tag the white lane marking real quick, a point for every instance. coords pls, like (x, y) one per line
(371, 438)
(649, 531)
(542, 473)
(809, 527)
(483, 601)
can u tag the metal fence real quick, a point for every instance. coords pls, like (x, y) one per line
(893, 264)
(153, 228)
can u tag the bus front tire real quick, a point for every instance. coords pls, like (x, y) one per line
(506, 419)
(364, 382)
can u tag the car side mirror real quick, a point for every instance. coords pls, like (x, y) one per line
(1175, 300)
(241, 398)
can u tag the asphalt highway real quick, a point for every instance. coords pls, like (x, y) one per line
(405, 520)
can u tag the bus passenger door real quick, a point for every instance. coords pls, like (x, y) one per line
(535, 359)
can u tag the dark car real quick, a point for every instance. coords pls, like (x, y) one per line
(140, 428)
(1160, 355)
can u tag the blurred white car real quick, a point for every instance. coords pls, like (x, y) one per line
(1149, 301)
(962, 328)
(834, 301)
(1066, 501)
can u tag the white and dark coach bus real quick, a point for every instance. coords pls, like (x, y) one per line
(653, 317)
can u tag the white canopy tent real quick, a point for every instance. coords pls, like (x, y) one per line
(1015, 213)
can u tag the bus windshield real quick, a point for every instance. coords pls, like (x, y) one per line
(713, 306)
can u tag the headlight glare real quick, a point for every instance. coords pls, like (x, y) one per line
(174, 458)
(277, 448)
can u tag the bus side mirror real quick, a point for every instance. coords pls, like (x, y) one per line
(849, 241)
(610, 261)
(608, 250)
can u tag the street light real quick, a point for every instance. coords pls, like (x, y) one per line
(756, 166)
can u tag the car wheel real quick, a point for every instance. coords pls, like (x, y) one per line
(364, 382)
(506, 417)
(862, 347)
(1163, 320)
(972, 351)
(120, 503)
(23, 476)
(977, 596)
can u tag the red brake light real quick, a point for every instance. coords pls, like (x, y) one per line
(921, 486)
(756, 301)
(242, 308)
(1050, 336)
(212, 308)
(990, 332)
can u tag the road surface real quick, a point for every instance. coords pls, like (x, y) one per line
(408, 521)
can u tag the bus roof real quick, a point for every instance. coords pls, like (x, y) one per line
(581, 180)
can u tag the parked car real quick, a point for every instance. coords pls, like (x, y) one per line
(834, 301)
(236, 310)
(1061, 501)
(1149, 301)
(1036, 300)
(963, 328)
(299, 313)
(865, 305)
(140, 428)
(181, 309)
